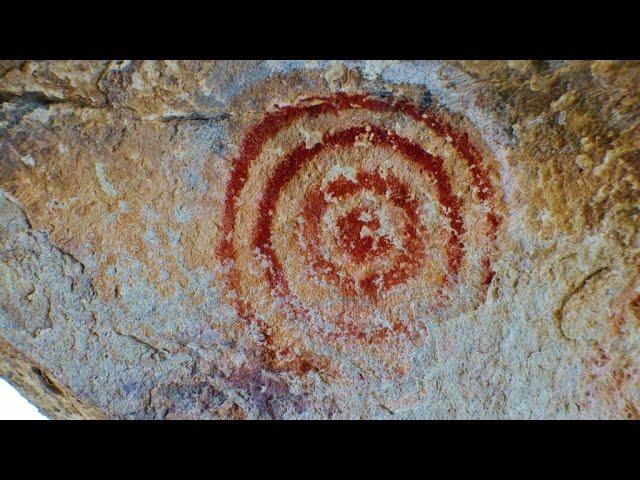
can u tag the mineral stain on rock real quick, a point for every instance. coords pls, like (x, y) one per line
(321, 239)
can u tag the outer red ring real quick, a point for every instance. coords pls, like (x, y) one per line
(275, 121)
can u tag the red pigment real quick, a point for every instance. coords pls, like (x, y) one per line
(354, 239)
(273, 122)
(404, 266)
(292, 164)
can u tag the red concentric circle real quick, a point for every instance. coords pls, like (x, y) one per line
(348, 217)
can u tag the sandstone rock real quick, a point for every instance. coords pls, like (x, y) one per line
(317, 239)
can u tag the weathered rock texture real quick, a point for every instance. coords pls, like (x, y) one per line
(321, 239)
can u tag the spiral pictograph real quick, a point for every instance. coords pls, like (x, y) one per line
(349, 220)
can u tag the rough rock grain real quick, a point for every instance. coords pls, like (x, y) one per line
(294, 239)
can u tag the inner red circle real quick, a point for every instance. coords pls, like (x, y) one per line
(299, 156)
(405, 264)
(359, 234)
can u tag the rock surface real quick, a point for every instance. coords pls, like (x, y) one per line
(294, 239)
